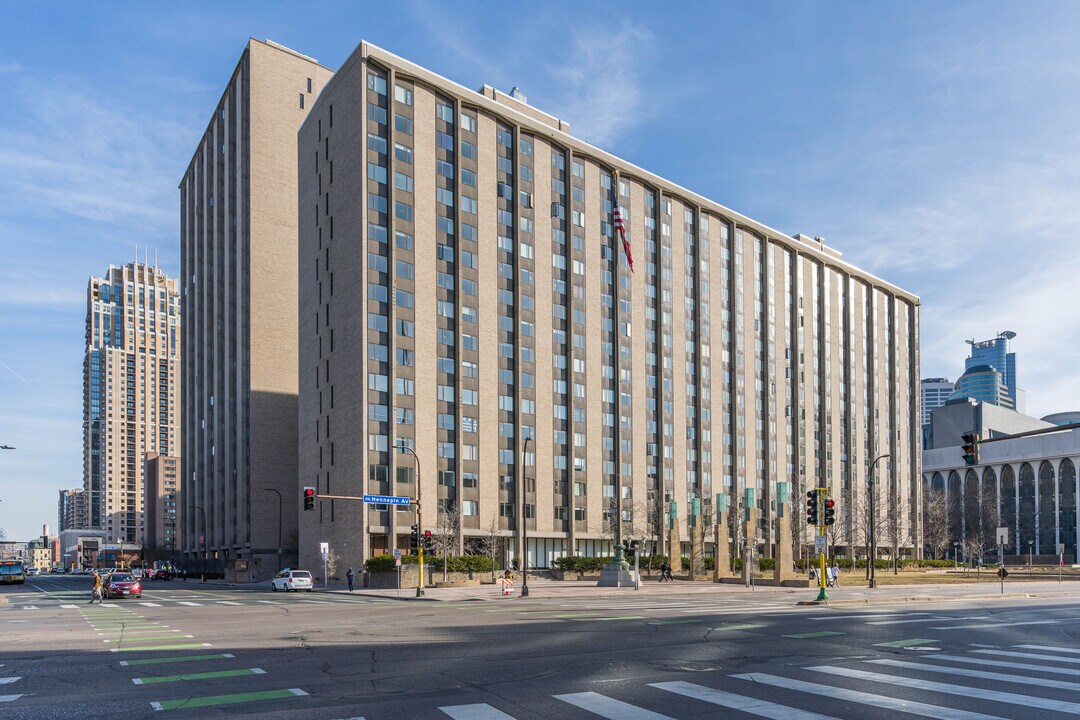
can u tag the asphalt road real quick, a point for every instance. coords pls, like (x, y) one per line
(193, 651)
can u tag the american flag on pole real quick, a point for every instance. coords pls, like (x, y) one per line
(621, 228)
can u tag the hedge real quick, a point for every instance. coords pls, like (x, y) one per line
(454, 563)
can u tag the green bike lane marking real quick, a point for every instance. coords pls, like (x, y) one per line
(179, 658)
(226, 699)
(905, 643)
(821, 633)
(149, 648)
(198, 676)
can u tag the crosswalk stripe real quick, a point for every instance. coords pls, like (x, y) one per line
(316, 602)
(862, 616)
(609, 708)
(962, 690)
(9, 680)
(150, 604)
(1048, 647)
(190, 604)
(865, 698)
(9, 698)
(478, 711)
(1000, 677)
(906, 622)
(1006, 664)
(70, 607)
(229, 602)
(1029, 656)
(749, 705)
(993, 625)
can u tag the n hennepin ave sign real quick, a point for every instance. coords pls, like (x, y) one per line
(386, 500)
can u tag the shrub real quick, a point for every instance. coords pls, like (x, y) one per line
(380, 563)
(454, 563)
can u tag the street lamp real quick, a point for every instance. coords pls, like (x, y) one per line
(524, 554)
(873, 540)
(402, 447)
(274, 490)
(204, 539)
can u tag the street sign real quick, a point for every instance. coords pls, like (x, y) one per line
(387, 500)
(1002, 536)
(819, 545)
(397, 561)
(324, 548)
(1061, 548)
(397, 553)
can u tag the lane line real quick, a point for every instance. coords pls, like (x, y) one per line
(965, 672)
(991, 626)
(211, 700)
(144, 638)
(197, 676)
(744, 626)
(1029, 656)
(1048, 647)
(949, 689)
(865, 698)
(749, 705)
(905, 643)
(478, 711)
(181, 658)
(609, 708)
(819, 633)
(904, 622)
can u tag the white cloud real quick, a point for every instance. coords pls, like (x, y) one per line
(603, 81)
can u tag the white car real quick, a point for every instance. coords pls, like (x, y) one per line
(33, 571)
(289, 580)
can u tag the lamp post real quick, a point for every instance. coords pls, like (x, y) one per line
(524, 554)
(274, 490)
(402, 447)
(204, 539)
(873, 540)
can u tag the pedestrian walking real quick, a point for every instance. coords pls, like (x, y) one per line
(835, 574)
(670, 577)
(829, 576)
(95, 593)
(350, 576)
(663, 571)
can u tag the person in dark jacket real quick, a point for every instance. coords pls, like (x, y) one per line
(351, 577)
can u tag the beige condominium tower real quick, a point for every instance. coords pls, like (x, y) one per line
(465, 292)
(238, 267)
(131, 382)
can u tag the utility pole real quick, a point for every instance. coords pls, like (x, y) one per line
(419, 519)
(524, 554)
(873, 535)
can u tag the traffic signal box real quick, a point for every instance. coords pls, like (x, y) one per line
(429, 542)
(970, 448)
(309, 498)
(414, 539)
(812, 507)
(830, 512)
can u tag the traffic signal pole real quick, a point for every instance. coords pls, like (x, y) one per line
(823, 494)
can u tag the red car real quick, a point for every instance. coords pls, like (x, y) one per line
(121, 585)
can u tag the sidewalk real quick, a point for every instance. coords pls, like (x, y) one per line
(855, 593)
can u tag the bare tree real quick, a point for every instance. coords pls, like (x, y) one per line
(490, 545)
(799, 528)
(608, 530)
(895, 525)
(936, 521)
(444, 539)
(736, 520)
(331, 565)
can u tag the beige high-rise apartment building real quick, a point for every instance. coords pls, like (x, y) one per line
(238, 257)
(464, 292)
(162, 475)
(71, 510)
(131, 381)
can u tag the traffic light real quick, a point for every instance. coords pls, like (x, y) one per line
(414, 539)
(830, 512)
(309, 498)
(429, 542)
(970, 448)
(812, 507)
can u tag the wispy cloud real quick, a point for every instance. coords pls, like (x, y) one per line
(603, 81)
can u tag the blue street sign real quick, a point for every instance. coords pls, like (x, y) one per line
(387, 500)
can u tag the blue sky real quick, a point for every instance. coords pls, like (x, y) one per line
(935, 144)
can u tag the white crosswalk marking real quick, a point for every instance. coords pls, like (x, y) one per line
(29, 607)
(863, 616)
(1006, 664)
(9, 698)
(9, 680)
(1029, 656)
(150, 604)
(864, 698)
(749, 705)
(965, 691)
(965, 672)
(229, 602)
(609, 708)
(1048, 647)
(479, 711)
(992, 625)
(905, 622)
(190, 604)
(70, 607)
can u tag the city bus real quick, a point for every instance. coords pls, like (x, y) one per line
(12, 571)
